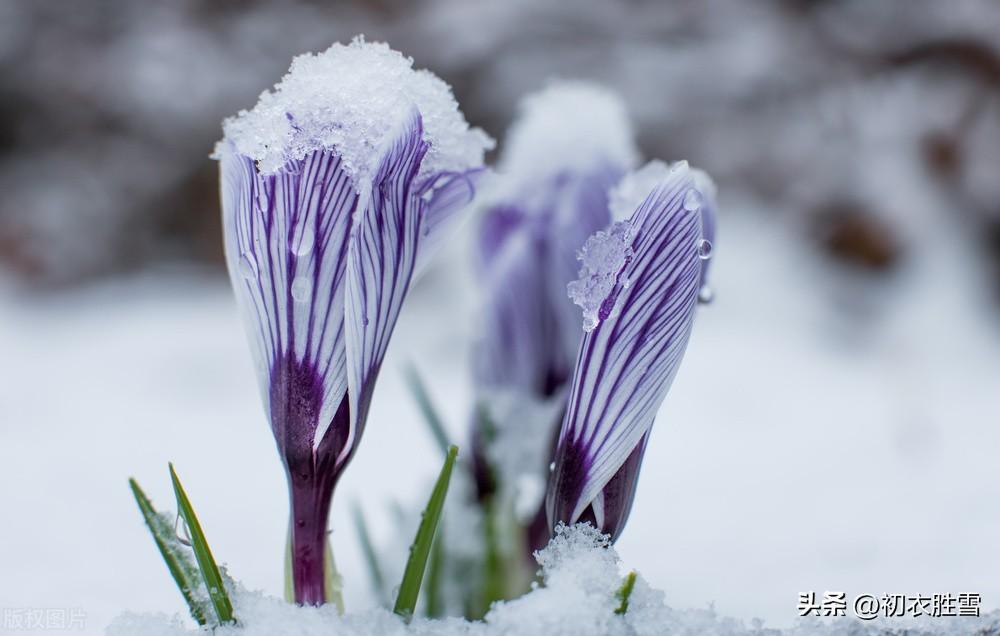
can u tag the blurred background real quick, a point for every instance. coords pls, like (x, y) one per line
(833, 426)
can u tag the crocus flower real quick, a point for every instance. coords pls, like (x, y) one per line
(333, 187)
(571, 142)
(638, 289)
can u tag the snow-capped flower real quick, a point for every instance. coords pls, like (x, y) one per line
(333, 188)
(571, 142)
(638, 288)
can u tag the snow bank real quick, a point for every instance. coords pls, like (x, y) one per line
(581, 573)
(353, 98)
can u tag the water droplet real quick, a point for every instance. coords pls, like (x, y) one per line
(306, 242)
(704, 249)
(692, 200)
(246, 267)
(705, 295)
(301, 288)
(552, 467)
(181, 531)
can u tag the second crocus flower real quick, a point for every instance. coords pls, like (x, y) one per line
(638, 288)
(571, 142)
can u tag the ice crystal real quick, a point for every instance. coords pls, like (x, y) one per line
(604, 256)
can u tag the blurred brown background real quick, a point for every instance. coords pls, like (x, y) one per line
(864, 125)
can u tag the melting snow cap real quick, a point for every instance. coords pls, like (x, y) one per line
(352, 99)
(569, 125)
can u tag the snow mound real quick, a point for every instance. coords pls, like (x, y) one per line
(581, 574)
(568, 126)
(352, 98)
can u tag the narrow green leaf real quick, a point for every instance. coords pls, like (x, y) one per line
(409, 589)
(334, 584)
(435, 574)
(289, 582)
(420, 394)
(183, 571)
(203, 554)
(493, 566)
(624, 592)
(368, 550)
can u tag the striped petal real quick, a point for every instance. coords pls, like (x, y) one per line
(447, 195)
(286, 248)
(381, 262)
(627, 362)
(520, 348)
(531, 330)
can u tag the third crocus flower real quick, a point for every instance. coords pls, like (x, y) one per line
(334, 187)
(639, 286)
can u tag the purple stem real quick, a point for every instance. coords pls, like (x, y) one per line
(310, 507)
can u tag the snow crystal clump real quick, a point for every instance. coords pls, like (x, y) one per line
(604, 256)
(353, 98)
(568, 126)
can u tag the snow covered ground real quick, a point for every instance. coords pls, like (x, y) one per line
(823, 434)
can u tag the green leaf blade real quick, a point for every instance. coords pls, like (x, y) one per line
(409, 589)
(203, 554)
(183, 571)
(423, 399)
(625, 592)
(368, 550)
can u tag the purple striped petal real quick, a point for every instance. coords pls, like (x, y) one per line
(286, 248)
(531, 330)
(628, 360)
(499, 223)
(446, 195)
(380, 265)
(521, 348)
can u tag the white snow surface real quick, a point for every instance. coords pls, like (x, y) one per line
(824, 433)
(353, 98)
(580, 576)
(569, 126)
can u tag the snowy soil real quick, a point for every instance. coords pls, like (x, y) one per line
(822, 434)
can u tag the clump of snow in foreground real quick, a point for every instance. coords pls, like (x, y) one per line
(581, 574)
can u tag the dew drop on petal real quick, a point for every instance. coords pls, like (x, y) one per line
(692, 200)
(305, 243)
(301, 289)
(704, 249)
(181, 531)
(246, 267)
(552, 467)
(705, 295)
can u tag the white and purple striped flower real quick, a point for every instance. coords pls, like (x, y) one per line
(639, 287)
(570, 144)
(333, 188)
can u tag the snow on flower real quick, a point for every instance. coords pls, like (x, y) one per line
(334, 187)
